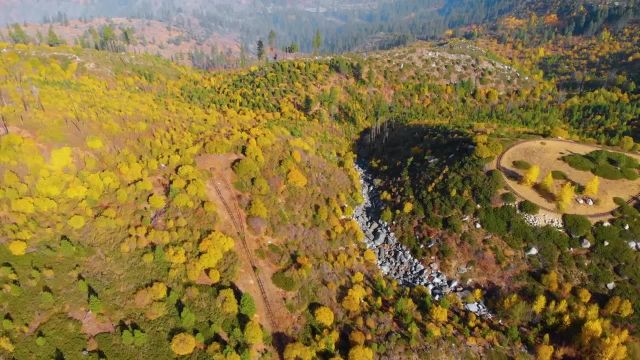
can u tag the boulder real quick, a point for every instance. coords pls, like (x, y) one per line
(473, 307)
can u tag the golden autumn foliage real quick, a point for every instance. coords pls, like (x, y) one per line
(531, 175)
(439, 314)
(296, 178)
(360, 352)
(298, 351)
(592, 187)
(253, 333)
(565, 197)
(544, 352)
(17, 247)
(324, 316)
(183, 344)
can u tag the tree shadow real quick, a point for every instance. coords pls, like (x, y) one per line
(396, 142)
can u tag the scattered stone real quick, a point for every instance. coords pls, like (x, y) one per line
(611, 285)
(532, 252)
(606, 243)
(633, 245)
(585, 244)
(394, 259)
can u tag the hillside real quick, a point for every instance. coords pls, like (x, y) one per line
(336, 207)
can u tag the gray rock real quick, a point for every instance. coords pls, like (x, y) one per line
(473, 307)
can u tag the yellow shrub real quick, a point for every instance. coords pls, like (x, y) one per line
(183, 344)
(18, 247)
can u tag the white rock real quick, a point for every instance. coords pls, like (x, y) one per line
(478, 226)
(611, 285)
(606, 224)
(606, 243)
(533, 251)
(586, 244)
(633, 245)
(626, 226)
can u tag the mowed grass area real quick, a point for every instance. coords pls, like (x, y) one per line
(547, 154)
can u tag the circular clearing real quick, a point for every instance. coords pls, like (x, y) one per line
(547, 155)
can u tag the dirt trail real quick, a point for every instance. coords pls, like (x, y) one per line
(256, 281)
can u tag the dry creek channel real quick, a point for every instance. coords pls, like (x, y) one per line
(394, 259)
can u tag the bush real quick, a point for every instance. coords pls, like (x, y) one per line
(608, 171)
(454, 223)
(630, 174)
(283, 281)
(528, 207)
(521, 165)
(559, 175)
(579, 162)
(508, 198)
(576, 225)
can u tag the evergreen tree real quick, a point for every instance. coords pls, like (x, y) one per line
(260, 49)
(53, 39)
(317, 41)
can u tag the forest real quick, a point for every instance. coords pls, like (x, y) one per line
(154, 210)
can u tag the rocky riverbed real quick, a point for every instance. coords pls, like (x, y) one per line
(394, 259)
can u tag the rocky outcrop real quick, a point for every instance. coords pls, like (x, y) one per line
(394, 259)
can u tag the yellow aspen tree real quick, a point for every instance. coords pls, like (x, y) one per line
(584, 295)
(539, 304)
(439, 314)
(567, 193)
(324, 316)
(547, 183)
(625, 309)
(544, 352)
(531, 176)
(183, 344)
(592, 187)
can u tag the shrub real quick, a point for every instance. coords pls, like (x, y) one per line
(247, 305)
(283, 281)
(521, 165)
(630, 174)
(508, 198)
(576, 225)
(579, 162)
(559, 175)
(608, 171)
(528, 207)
